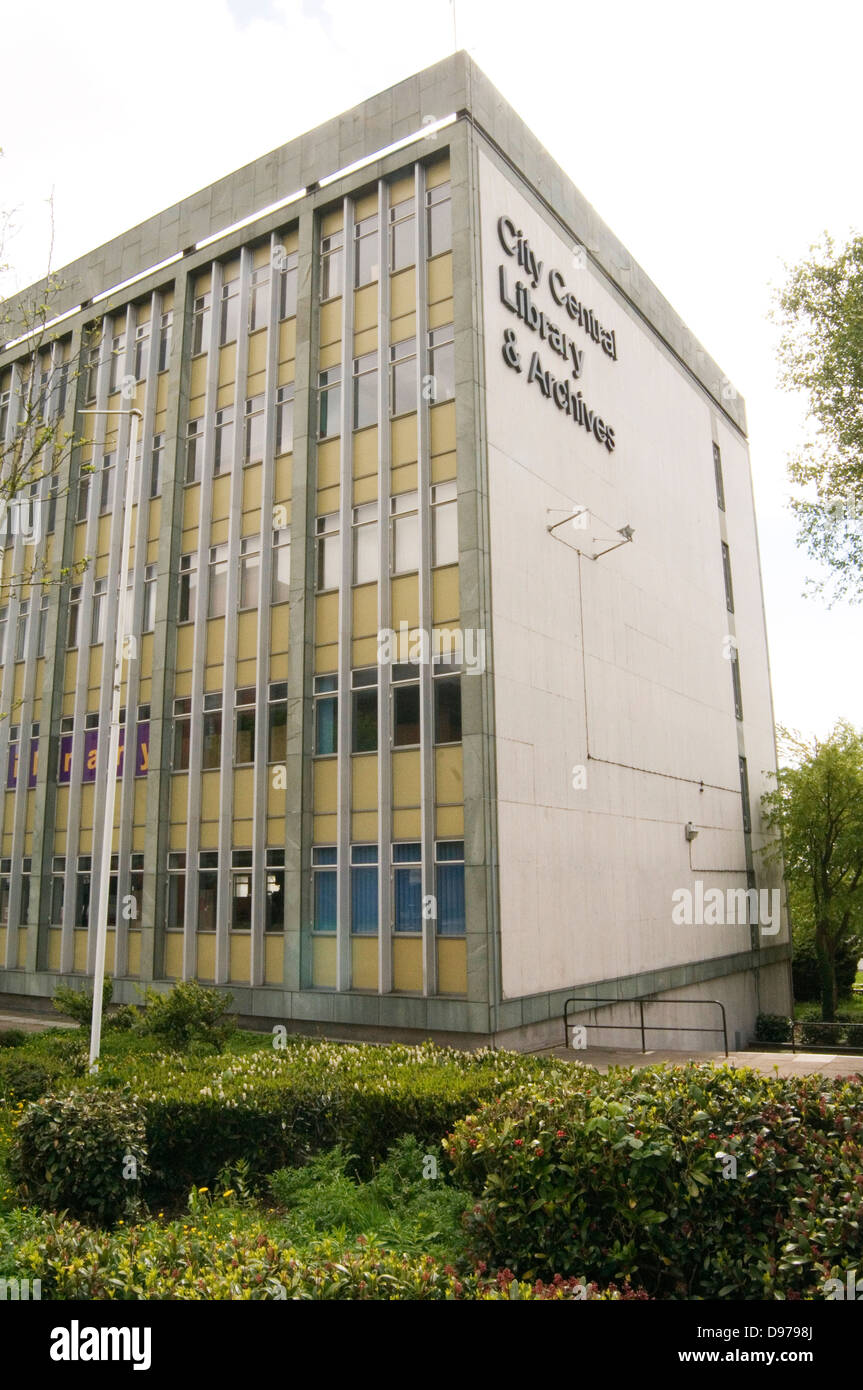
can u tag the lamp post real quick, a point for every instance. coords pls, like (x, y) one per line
(114, 737)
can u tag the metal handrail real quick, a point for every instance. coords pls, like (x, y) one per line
(641, 1026)
(822, 1023)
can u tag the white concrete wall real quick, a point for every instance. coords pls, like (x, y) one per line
(587, 875)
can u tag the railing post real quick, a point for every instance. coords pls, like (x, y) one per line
(641, 1016)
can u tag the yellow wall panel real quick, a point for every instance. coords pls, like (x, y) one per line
(227, 364)
(246, 672)
(55, 942)
(405, 600)
(365, 457)
(215, 641)
(95, 670)
(331, 322)
(364, 773)
(222, 496)
(180, 798)
(206, 965)
(257, 383)
(103, 541)
(441, 313)
(408, 964)
(328, 500)
(21, 958)
(326, 658)
(288, 344)
(70, 673)
(243, 793)
(403, 292)
(276, 794)
(326, 619)
(140, 806)
(247, 634)
(406, 777)
(443, 468)
(134, 957)
(324, 961)
(209, 834)
(177, 837)
(240, 968)
(326, 785)
(324, 830)
(147, 642)
(437, 173)
(185, 650)
(442, 422)
(213, 675)
(191, 507)
(366, 489)
(242, 832)
(280, 628)
(403, 327)
(365, 314)
(329, 455)
(404, 478)
(440, 279)
(198, 376)
(274, 959)
(364, 962)
(445, 600)
(173, 955)
(162, 392)
(365, 610)
(283, 483)
(258, 353)
(449, 823)
(364, 651)
(452, 965)
(404, 440)
(80, 957)
(86, 795)
(449, 778)
(252, 479)
(364, 826)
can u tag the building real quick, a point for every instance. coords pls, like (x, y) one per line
(395, 378)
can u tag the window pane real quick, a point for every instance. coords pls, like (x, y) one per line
(331, 405)
(440, 227)
(282, 572)
(329, 561)
(408, 899)
(325, 900)
(274, 904)
(278, 733)
(182, 744)
(450, 899)
(365, 721)
(245, 750)
(445, 524)
(364, 901)
(250, 572)
(325, 725)
(404, 386)
(176, 900)
(212, 748)
(406, 543)
(241, 902)
(447, 709)
(365, 554)
(406, 715)
(365, 400)
(207, 895)
(218, 589)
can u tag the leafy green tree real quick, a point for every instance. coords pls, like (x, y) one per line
(820, 309)
(817, 807)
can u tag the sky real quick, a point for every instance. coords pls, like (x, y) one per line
(717, 141)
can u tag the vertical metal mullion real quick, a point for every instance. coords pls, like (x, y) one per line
(199, 650)
(385, 781)
(8, 680)
(344, 970)
(427, 778)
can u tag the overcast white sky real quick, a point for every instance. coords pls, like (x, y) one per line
(717, 141)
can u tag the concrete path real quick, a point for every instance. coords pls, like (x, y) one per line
(785, 1063)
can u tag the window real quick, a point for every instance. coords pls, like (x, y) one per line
(74, 615)
(744, 797)
(223, 444)
(21, 634)
(182, 733)
(211, 755)
(253, 449)
(176, 892)
(402, 235)
(325, 878)
(194, 450)
(444, 516)
(259, 299)
(329, 555)
(107, 474)
(229, 318)
(24, 909)
(98, 613)
(407, 887)
(200, 324)
(5, 398)
(449, 887)
(250, 571)
(218, 587)
(91, 374)
(406, 705)
(188, 588)
(285, 419)
(403, 376)
(142, 351)
(58, 886)
(274, 898)
(365, 375)
(244, 742)
(82, 890)
(326, 715)
(5, 890)
(720, 486)
(241, 890)
(367, 256)
(208, 889)
(439, 219)
(405, 551)
(83, 495)
(61, 387)
(364, 890)
(329, 402)
(156, 455)
(148, 618)
(277, 722)
(136, 882)
(281, 580)
(726, 570)
(366, 549)
(118, 354)
(4, 619)
(446, 690)
(42, 634)
(53, 490)
(735, 681)
(364, 687)
(441, 350)
(332, 265)
(112, 889)
(288, 286)
(165, 334)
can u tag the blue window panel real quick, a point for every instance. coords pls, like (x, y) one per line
(325, 726)
(408, 899)
(364, 901)
(324, 854)
(364, 854)
(407, 853)
(450, 899)
(325, 900)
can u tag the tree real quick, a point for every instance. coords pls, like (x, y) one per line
(817, 806)
(821, 353)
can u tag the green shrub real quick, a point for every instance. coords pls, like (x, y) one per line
(84, 1152)
(78, 1003)
(854, 1036)
(772, 1028)
(24, 1078)
(220, 1259)
(12, 1037)
(189, 1013)
(625, 1178)
(821, 1034)
(805, 970)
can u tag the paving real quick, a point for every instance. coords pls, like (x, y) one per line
(785, 1063)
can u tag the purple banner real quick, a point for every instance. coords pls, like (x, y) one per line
(91, 750)
(14, 758)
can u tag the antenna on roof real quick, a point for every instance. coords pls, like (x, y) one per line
(454, 30)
